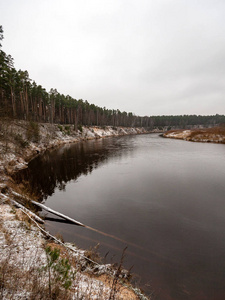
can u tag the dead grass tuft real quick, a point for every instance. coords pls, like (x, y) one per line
(208, 131)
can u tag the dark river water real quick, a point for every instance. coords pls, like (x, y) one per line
(163, 198)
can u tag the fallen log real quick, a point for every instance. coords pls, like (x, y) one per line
(48, 209)
(20, 196)
(57, 213)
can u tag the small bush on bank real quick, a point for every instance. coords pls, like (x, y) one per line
(60, 128)
(93, 254)
(33, 132)
(67, 129)
(80, 128)
(59, 272)
(20, 141)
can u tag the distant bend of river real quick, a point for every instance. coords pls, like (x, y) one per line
(164, 198)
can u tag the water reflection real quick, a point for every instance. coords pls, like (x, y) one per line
(57, 167)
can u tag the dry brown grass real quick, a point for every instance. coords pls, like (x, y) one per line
(215, 134)
(208, 131)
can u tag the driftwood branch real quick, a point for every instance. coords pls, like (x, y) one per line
(20, 196)
(49, 209)
(57, 213)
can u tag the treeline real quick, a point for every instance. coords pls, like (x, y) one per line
(22, 98)
(184, 121)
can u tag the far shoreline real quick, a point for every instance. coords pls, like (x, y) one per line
(204, 135)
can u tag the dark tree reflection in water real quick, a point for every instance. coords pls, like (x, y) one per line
(57, 167)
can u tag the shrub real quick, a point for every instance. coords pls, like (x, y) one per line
(67, 129)
(20, 141)
(59, 271)
(60, 128)
(80, 128)
(33, 132)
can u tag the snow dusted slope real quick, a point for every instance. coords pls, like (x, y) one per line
(20, 140)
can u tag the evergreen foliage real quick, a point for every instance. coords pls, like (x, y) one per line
(59, 271)
(22, 98)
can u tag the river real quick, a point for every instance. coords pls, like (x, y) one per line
(163, 198)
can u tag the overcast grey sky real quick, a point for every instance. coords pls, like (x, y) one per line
(149, 57)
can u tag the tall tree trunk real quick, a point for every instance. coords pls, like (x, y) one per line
(40, 110)
(22, 105)
(13, 103)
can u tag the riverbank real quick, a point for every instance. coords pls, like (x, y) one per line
(207, 135)
(20, 141)
(25, 262)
